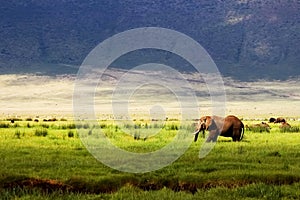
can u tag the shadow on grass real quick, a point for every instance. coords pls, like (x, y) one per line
(80, 185)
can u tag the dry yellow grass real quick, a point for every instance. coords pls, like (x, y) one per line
(31, 95)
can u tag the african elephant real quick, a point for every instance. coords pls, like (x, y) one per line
(230, 126)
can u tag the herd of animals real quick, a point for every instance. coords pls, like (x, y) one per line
(230, 126)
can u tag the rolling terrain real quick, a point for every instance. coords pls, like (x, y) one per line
(248, 39)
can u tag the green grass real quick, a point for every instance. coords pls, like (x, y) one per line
(58, 166)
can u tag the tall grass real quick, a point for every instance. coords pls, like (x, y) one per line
(290, 130)
(4, 125)
(252, 191)
(259, 129)
(41, 132)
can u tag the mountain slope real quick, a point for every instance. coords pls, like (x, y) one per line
(248, 39)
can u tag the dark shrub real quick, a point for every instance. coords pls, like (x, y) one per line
(41, 132)
(102, 125)
(136, 136)
(63, 126)
(45, 125)
(71, 126)
(70, 134)
(28, 125)
(4, 125)
(86, 126)
(16, 125)
(174, 127)
(18, 134)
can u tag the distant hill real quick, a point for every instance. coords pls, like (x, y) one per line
(248, 39)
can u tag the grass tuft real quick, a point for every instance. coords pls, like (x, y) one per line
(70, 134)
(41, 132)
(4, 125)
(290, 130)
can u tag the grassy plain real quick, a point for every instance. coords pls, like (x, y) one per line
(46, 160)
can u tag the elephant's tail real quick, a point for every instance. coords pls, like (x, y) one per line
(243, 130)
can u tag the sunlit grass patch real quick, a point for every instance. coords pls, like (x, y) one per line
(270, 161)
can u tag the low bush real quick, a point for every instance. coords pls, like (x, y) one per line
(18, 134)
(104, 126)
(84, 126)
(290, 130)
(70, 134)
(71, 126)
(259, 129)
(41, 132)
(136, 136)
(45, 125)
(16, 125)
(4, 125)
(174, 127)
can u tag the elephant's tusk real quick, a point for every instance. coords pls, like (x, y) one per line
(196, 132)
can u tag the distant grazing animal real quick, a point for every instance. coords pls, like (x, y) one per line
(272, 120)
(285, 125)
(52, 120)
(230, 126)
(279, 120)
(36, 120)
(263, 126)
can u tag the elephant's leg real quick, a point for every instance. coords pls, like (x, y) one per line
(209, 138)
(213, 136)
(236, 134)
(196, 137)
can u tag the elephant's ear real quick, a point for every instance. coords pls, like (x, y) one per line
(212, 125)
